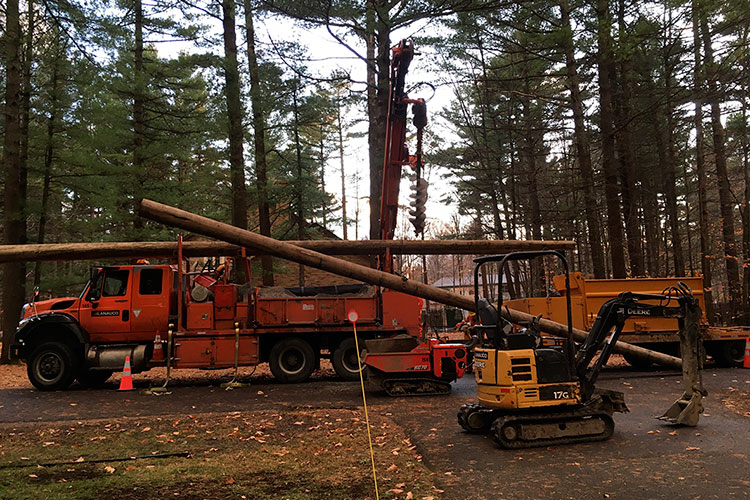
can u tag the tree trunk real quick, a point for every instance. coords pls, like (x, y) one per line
(533, 214)
(626, 162)
(378, 57)
(300, 216)
(700, 162)
(49, 152)
(13, 221)
(25, 123)
(139, 113)
(583, 148)
(670, 174)
(746, 175)
(132, 249)
(259, 136)
(234, 115)
(726, 203)
(340, 129)
(686, 179)
(322, 160)
(611, 189)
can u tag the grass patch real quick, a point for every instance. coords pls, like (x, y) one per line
(296, 454)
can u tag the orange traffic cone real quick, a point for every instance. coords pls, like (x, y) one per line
(126, 382)
(746, 362)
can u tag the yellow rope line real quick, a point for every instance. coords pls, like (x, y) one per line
(367, 419)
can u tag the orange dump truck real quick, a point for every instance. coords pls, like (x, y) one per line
(724, 344)
(201, 319)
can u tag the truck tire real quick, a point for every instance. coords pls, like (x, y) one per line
(52, 366)
(729, 353)
(637, 363)
(93, 378)
(344, 360)
(292, 360)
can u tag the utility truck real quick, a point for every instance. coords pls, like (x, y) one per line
(201, 319)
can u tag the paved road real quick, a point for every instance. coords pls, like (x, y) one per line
(644, 459)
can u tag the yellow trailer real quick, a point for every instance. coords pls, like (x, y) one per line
(724, 344)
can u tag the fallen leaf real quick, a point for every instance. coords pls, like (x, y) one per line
(392, 468)
(109, 469)
(396, 491)
(409, 495)
(229, 481)
(692, 448)
(401, 485)
(146, 429)
(33, 475)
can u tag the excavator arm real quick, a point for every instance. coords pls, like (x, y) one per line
(679, 303)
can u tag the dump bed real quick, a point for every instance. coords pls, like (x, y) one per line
(588, 295)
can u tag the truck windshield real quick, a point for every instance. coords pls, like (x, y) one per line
(95, 287)
(85, 288)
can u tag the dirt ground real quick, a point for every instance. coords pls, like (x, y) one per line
(644, 458)
(14, 377)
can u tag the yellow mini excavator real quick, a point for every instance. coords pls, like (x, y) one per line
(538, 391)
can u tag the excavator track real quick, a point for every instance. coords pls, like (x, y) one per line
(527, 431)
(415, 386)
(475, 418)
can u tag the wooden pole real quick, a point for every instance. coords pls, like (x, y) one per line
(134, 249)
(208, 227)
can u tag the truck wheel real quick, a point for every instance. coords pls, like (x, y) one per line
(52, 366)
(292, 360)
(344, 360)
(93, 378)
(637, 363)
(729, 353)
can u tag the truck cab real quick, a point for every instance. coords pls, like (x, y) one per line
(88, 337)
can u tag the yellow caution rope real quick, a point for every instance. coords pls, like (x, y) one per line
(367, 419)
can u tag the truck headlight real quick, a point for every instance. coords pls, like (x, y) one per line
(22, 323)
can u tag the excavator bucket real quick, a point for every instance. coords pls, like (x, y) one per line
(688, 408)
